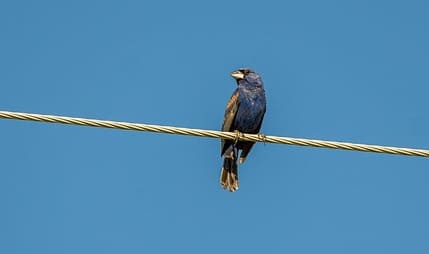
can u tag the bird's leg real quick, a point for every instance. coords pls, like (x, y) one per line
(262, 137)
(238, 135)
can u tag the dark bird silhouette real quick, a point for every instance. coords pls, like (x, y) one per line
(244, 113)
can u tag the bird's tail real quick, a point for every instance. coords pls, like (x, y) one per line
(229, 174)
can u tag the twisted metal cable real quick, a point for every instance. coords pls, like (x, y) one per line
(213, 134)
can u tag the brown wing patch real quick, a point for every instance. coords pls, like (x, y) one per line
(232, 101)
(228, 120)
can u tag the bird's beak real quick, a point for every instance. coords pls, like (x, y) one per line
(237, 75)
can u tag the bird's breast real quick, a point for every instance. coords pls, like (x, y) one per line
(251, 112)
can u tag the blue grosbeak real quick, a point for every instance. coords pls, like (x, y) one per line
(244, 113)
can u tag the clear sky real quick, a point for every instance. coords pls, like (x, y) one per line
(353, 71)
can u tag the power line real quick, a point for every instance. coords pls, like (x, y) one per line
(213, 134)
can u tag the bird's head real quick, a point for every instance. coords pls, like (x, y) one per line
(247, 76)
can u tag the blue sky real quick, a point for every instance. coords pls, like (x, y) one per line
(351, 71)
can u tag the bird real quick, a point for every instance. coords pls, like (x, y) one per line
(244, 113)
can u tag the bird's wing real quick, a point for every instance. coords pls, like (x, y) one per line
(228, 119)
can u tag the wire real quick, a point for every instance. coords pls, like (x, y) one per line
(213, 134)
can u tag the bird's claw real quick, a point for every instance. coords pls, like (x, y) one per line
(262, 137)
(238, 135)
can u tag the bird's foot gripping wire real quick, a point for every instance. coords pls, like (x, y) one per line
(262, 137)
(238, 135)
